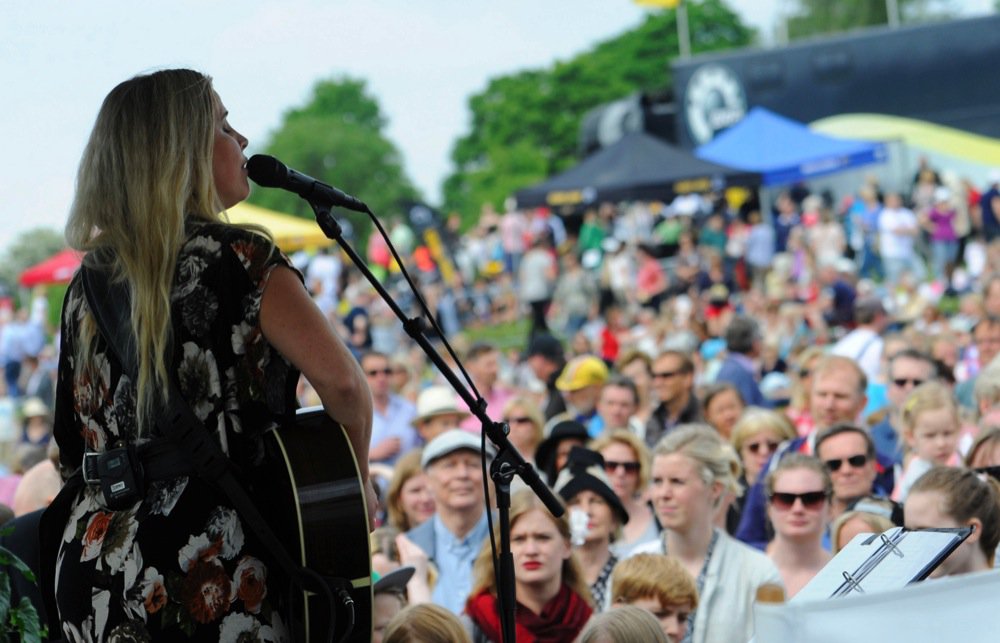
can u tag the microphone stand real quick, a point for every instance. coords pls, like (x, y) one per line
(506, 464)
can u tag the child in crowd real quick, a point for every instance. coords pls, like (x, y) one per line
(660, 585)
(931, 428)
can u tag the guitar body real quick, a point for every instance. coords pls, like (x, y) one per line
(314, 501)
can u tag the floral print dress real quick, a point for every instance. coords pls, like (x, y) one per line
(180, 564)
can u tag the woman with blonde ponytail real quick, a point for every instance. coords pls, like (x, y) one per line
(220, 308)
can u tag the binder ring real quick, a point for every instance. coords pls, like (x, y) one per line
(892, 546)
(854, 584)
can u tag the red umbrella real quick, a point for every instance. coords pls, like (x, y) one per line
(57, 269)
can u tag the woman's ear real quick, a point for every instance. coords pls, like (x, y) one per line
(716, 492)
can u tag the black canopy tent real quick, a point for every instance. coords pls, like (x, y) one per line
(637, 167)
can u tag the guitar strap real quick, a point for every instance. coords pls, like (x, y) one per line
(109, 301)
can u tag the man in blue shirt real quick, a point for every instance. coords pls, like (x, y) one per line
(743, 342)
(392, 421)
(453, 536)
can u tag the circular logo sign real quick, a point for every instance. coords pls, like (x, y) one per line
(713, 100)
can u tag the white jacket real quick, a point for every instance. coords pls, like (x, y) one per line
(725, 605)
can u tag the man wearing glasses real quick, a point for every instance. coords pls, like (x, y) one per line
(392, 430)
(837, 397)
(673, 383)
(849, 455)
(908, 369)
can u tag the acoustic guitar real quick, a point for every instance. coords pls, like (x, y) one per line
(314, 501)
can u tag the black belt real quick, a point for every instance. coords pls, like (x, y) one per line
(159, 459)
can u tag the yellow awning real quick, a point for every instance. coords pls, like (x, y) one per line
(290, 233)
(974, 148)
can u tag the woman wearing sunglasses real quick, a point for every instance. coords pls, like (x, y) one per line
(626, 461)
(756, 437)
(693, 469)
(798, 493)
(525, 421)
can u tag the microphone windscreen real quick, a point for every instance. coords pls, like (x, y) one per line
(267, 171)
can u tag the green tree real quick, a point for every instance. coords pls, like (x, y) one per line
(815, 17)
(526, 126)
(337, 137)
(27, 249)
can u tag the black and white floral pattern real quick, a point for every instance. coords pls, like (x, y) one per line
(178, 565)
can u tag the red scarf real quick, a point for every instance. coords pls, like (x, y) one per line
(560, 621)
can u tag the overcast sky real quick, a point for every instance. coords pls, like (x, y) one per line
(422, 61)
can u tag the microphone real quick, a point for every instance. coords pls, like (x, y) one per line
(269, 172)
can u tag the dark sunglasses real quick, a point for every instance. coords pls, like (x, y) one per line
(630, 467)
(855, 461)
(810, 499)
(768, 446)
(903, 381)
(378, 371)
(666, 374)
(523, 419)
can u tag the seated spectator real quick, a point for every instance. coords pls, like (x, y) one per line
(673, 385)
(693, 469)
(660, 585)
(756, 437)
(25, 456)
(553, 599)
(743, 344)
(437, 411)
(552, 453)
(985, 450)
(581, 382)
(930, 430)
(638, 367)
(388, 599)
(526, 424)
(799, 492)
(616, 407)
(953, 497)
(409, 501)
(848, 452)
(453, 536)
(626, 461)
(393, 432)
(37, 488)
(392, 550)
(626, 624)
(596, 517)
(425, 623)
(851, 523)
(37, 422)
(546, 359)
(722, 406)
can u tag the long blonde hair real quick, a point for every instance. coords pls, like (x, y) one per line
(146, 167)
(522, 502)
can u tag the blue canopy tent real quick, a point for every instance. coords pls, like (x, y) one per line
(784, 151)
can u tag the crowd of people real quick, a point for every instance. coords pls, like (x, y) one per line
(728, 398)
(721, 399)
